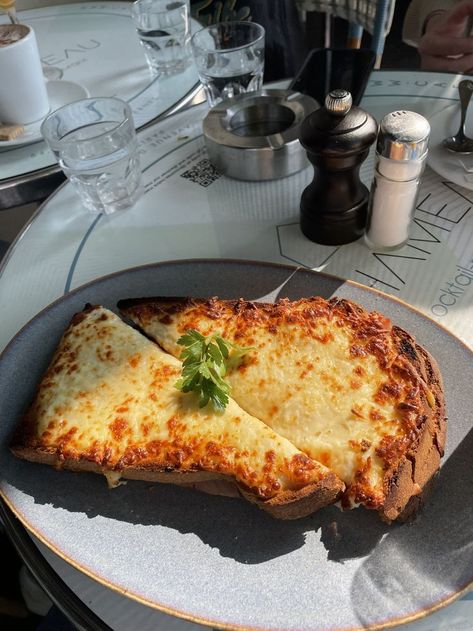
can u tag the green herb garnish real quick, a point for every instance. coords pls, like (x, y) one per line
(205, 361)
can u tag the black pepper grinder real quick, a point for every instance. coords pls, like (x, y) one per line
(337, 139)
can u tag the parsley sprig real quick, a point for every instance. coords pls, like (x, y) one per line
(205, 362)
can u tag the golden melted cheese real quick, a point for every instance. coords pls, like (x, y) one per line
(109, 397)
(327, 375)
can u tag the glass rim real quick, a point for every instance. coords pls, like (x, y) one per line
(260, 36)
(137, 3)
(56, 143)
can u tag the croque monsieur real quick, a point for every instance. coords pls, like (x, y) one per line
(108, 404)
(342, 384)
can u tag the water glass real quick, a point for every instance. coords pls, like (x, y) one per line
(95, 143)
(163, 27)
(230, 59)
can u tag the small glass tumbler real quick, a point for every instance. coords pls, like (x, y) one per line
(230, 59)
(95, 143)
(163, 27)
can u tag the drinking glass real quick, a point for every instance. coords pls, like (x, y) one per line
(95, 143)
(163, 27)
(230, 59)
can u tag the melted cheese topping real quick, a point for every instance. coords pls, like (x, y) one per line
(326, 375)
(109, 397)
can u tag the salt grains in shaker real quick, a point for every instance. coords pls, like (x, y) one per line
(400, 158)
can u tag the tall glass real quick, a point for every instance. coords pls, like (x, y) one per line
(230, 59)
(95, 144)
(163, 27)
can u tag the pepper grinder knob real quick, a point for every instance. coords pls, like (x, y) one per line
(338, 102)
(337, 138)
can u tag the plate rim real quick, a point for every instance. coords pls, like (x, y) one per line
(250, 262)
(152, 603)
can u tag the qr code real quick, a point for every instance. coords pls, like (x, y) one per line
(203, 173)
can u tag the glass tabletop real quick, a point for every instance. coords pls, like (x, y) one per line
(95, 45)
(189, 210)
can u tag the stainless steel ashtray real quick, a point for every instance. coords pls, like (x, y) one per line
(255, 136)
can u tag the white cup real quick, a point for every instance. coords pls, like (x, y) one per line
(23, 95)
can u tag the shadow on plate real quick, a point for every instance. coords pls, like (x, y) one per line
(236, 528)
(433, 554)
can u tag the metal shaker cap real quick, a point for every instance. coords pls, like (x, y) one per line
(338, 102)
(403, 135)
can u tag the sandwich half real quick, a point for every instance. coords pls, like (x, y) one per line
(108, 404)
(344, 385)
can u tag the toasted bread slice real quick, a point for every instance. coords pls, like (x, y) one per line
(108, 404)
(342, 384)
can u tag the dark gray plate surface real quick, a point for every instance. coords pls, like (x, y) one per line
(221, 560)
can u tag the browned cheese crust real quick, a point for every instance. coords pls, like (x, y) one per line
(411, 383)
(107, 404)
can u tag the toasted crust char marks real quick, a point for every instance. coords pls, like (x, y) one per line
(410, 478)
(107, 403)
(406, 410)
(288, 504)
(303, 501)
(371, 329)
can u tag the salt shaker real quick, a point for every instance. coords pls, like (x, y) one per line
(401, 151)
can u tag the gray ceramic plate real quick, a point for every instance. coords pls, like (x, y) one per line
(220, 560)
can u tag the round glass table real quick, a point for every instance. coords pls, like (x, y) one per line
(95, 46)
(189, 211)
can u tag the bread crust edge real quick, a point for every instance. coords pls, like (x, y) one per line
(288, 504)
(412, 479)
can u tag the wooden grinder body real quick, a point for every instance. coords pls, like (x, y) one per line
(334, 205)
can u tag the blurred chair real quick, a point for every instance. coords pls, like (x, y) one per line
(374, 16)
